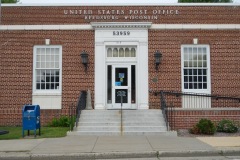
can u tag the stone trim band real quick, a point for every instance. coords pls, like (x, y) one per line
(153, 26)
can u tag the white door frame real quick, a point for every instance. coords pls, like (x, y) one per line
(129, 104)
(138, 36)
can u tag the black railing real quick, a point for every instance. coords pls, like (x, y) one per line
(164, 109)
(75, 111)
(170, 100)
(81, 105)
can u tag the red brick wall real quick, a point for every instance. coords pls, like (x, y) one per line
(224, 56)
(17, 63)
(17, 56)
(16, 66)
(187, 119)
(55, 14)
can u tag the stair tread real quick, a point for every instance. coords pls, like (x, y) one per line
(108, 122)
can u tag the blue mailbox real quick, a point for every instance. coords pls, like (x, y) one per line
(31, 118)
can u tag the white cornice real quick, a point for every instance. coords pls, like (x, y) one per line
(46, 27)
(100, 25)
(108, 25)
(117, 4)
(196, 26)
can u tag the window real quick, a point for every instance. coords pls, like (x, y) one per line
(47, 69)
(121, 52)
(196, 68)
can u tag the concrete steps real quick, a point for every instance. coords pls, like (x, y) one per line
(134, 122)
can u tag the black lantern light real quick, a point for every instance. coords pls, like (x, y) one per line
(158, 58)
(84, 57)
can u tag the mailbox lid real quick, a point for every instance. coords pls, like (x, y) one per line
(31, 109)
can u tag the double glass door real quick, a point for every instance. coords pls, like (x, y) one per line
(121, 82)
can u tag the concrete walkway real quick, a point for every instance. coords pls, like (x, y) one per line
(102, 147)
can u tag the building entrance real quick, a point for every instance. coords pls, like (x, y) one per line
(121, 64)
(121, 78)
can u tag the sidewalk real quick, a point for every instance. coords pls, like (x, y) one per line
(102, 147)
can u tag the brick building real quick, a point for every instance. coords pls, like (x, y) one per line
(41, 63)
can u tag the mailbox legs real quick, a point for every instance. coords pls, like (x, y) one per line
(35, 132)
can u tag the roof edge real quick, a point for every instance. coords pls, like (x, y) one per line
(119, 4)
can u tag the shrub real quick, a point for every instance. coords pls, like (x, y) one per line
(54, 123)
(194, 130)
(204, 126)
(227, 126)
(63, 121)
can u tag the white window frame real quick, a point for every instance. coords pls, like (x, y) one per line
(49, 91)
(208, 89)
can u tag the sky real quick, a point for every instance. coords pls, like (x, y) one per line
(103, 1)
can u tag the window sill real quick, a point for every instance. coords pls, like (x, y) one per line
(47, 94)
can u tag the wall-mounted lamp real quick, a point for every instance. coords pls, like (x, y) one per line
(158, 58)
(84, 57)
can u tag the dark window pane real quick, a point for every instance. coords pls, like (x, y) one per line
(190, 86)
(195, 79)
(52, 85)
(185, 85)
(133, 84)
(204, 78)
(48, 85)
(109, 84)
(190, 71)
(56, 78)
(204, 85)
(38, 85)
(190, 79)
(195, 72)
(185, 71)
(42, 85)
(199, 85)
(47, 77)
(199, 71)
(199, 78)
(204, 72)
(118, 98)
(195, 86)
(185, 78)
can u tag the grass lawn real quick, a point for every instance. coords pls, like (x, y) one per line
(46, 132)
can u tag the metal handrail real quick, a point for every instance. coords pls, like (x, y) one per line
(81, 105)
(168, 109)
(164, 109)
(200, 95)
(71, 108)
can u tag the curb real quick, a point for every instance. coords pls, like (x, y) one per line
(229, 152)
(15, 156)
(77, 156)
(110, 155)
(202, 153)
(199, 153)
(116, 155)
